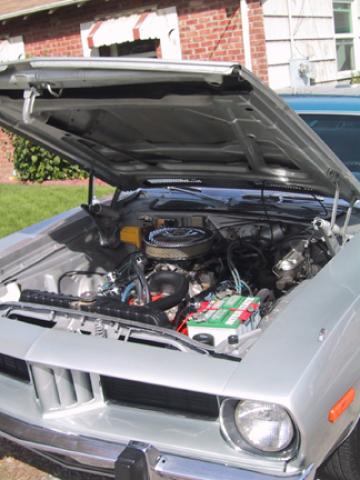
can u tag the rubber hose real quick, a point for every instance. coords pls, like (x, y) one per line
(165, 282)
(143, 289)
(127, 291)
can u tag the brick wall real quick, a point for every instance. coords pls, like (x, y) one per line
(213, 33)
(257, 35)
(6, 164)
(209, 30)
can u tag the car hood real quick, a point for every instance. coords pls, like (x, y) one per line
(145, 122)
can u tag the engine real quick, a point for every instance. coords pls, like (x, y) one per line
(214, 284)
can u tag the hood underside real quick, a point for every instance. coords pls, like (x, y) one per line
(134, 123)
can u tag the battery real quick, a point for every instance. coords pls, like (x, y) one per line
(233, 315)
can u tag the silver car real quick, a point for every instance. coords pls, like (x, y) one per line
(204, 323)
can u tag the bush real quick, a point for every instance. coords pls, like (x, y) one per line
(355, 78)
(36, 164)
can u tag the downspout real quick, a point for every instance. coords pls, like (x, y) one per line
(291, 29)
(245, 24)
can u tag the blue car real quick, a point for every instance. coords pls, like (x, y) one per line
(334, 114)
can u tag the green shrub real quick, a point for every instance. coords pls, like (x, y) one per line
(355, 78)
(36, 164)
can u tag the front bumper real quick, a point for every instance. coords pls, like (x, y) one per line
(112, 459)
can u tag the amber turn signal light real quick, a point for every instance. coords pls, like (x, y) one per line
(340, 406)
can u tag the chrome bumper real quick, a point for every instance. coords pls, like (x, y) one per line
(112, 459)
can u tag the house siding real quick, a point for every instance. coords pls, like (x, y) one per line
(313, 39)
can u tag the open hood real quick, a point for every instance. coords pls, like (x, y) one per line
(147, 122)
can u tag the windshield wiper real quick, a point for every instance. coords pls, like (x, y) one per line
(279, 200)
(252, 203)
(196, 193)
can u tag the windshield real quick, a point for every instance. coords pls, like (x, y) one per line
(289, 204)
(342, 134)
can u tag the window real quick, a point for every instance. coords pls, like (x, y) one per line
(137, 48)
(344, 34)
(146, 33)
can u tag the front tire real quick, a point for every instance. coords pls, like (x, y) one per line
(344, 463)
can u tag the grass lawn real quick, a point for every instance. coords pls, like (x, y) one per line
(23, 205)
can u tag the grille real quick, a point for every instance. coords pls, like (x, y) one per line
(146, 395)
(60, 388)
(14, 367)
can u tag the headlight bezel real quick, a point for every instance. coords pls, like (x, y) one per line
(232, 435)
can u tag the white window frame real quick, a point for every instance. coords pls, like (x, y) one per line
(354, 36)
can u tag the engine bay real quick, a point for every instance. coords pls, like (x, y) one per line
(210, 280)
(200, 279)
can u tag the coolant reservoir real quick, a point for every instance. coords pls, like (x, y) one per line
(131, 235)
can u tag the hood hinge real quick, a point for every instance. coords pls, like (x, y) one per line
(30, 96)
(333, 227)
(334, 236)
(329, 230)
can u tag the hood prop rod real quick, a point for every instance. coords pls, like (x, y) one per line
(91, 190)
(335, 207)
(344, 230)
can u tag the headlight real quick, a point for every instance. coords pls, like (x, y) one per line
(265, 426)
(258, 427)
